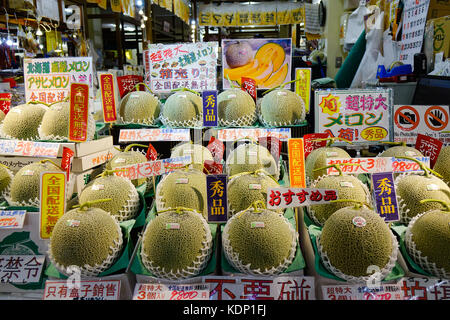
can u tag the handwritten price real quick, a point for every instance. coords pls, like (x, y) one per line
(371, 296)
(183, 295)
(401, 166)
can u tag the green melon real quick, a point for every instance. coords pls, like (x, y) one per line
(183, 108)
(318, 159)
(176, 245)
(5, 179)
(126, 158)
(139, 107)
(356, 239)
(442, 165)
(236, 108)
(401, 151)
(199, 154)
(22, 122)
(282, 107)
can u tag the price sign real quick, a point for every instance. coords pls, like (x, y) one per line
(29, 148)
(144, 135)
(238, 133)
(12, 219)
(149, 291)
(281, 198)
(405, 165)
(363, 165)
(359, 292)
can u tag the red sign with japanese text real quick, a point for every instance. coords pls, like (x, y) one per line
(127, 83)
(296, 152)
(66, 161)
(281, 198)
(5, 102)
(311, 144)
(211, 167)
(79, 109)
(249, 86)
(429, 146)
(108, 100)
(217, 148)
(151, 154)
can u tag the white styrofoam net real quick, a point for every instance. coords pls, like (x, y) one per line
(235, 261)
(417, 255)
(191, 123)
(352, 279)
(197, 265)
(244, 121)
(150, 121)
(310, 210)
(93, 271)
(131, 208)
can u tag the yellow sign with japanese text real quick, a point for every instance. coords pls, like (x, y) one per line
(53, 200)
(303, 86)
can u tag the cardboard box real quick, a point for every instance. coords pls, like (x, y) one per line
(438, 8)
(441, 35)
(89, 147)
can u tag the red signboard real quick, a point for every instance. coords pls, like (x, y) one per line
(79, 109)
(311, 142)
(127, 83)
(5, 102)
(108, 100)
(429, 146)
(217, 148)
(66, 161)
(151, 154)
(249, 85)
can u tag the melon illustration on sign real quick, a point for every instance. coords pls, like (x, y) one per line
(267, 66)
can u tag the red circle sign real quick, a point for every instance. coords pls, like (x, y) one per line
(401, 117)
(434, 118)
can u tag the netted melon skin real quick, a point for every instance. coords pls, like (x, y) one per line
(199, 154)
(350, 251)
(55, 123)
(124, 204)
(282, 107)
(6, 177)
(93, 246)
(25, 189)
(183, 109)
(241, 194)
(442, 165)
(427, 241)
(236, 108)
(401, 151)
(139, 107)
(192, 195)
(411, 188)
(359, 192)
(125, 159)
(176, 254)
(318, 159)
(259, 251)
(22, 122)
(250, 158)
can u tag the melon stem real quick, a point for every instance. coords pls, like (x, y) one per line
(358, 204)
(178, 210)
(281, 86)
(134, 145)
(88, 204)
(141, 83)
(186, 89)
(446, 205)
(425, 169)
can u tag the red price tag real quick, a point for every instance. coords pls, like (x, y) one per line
(66, 161)
(151, 154)
(108, 99)
(429, 146)
(211, 167)
(311, 145)
(79, 109)
(217, 148)
(5, 102)
(249, 85)
(127, 83)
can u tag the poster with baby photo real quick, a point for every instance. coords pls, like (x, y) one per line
(268, 61)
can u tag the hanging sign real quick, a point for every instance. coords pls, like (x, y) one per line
(52, 201)
(5, 102)
(410, 120)
(151, 154)
(311, 144)
(303, 86)
(66, 161)
(356, 115)
(296, 157)
(127, 83)
(12, 219)
(79, 110)
(48, 80)
(385, 196)
(210, 108)
(108, 100)
(249, 86)
(182, 65)
(429, 147)
(217, 148)
(216, 187)
(282, 198)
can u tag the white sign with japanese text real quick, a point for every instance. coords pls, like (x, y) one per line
(153, 168)
(283, 134)
(143, 135)
(82, 290)
(281, 198)
(375, 165)
(358, 292)
(358, 115)
(181, 65)
(21, 269)
(12, 219)
(48, 80)
(28, 148)
(410, 120)
(186, 292)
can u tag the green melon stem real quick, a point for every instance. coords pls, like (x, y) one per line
(118, 149)
(88, 204)
(134, 145)
(38, 102)
(63, 100)
(422, 166)
(281, 86)
(247, 138)
(6, 167)
(230, 82)
(358, 204)
(186, 89)
(446, 205)
(178, 210)
(110, 172)
(142, 83)
(256, 205)
(48, 160)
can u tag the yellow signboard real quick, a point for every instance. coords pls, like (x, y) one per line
(53, 200)
(303, 86)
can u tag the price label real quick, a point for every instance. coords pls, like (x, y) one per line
(239, 133)
(144, 135)
(12, 219)
(149, 291)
